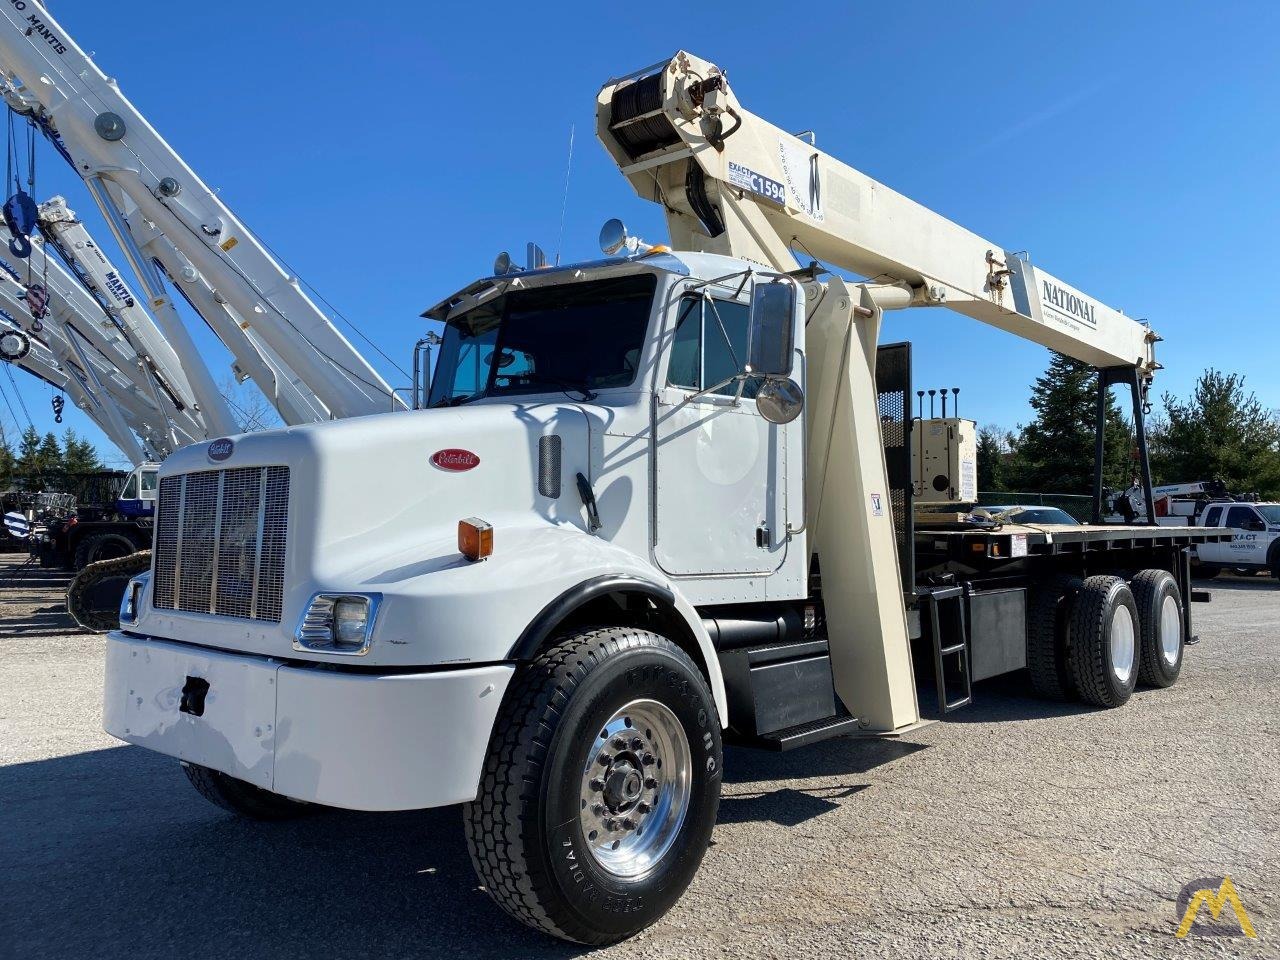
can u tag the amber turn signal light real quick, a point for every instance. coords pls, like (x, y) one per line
(475, 538)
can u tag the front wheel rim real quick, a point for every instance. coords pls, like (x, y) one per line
(1170, 630)
(637, 783)
(1122, 643)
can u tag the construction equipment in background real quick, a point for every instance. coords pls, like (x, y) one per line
(167, 358)
(162, 213)
(122, 397)
(661, 498)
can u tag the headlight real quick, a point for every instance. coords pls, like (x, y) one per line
(338, 623)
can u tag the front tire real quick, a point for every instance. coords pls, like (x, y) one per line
(601, 787)
(241, 798)
(1160, 621)
(1104, 650)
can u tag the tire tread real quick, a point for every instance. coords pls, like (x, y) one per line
(1088, 632)
(1046, 659)
(241, 798)
(1145, 585)
(508, 791)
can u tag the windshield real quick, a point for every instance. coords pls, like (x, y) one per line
(1017, 514)
(1270, 513)
(572, 338)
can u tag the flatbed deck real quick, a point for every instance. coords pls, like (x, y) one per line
(1015, 540)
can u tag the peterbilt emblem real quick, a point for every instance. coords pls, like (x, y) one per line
(220, 450)
(455, 460)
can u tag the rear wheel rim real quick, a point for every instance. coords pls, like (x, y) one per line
(1170, 630)
(1122, 643)
(637, 784)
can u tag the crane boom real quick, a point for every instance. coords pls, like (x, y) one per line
(735, 184)
(80, 321)
(186, 383)
(127, 164)
(96, 388)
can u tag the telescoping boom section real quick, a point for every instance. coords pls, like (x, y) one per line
(735, 184)
(161, 211)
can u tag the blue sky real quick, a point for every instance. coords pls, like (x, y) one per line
(388, 151)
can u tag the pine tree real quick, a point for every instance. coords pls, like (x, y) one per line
(49, 455)
(1056, 450)
(1218, 433)
(28, 465)
(8, 459)
(78, 456)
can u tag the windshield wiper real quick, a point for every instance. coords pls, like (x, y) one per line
(458, 401)
(587, 393)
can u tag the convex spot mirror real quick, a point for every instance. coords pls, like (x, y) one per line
(772, 335)
(779, 400)
(613, 236)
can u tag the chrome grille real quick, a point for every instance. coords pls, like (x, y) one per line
(219, 542)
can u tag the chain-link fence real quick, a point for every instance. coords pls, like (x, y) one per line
(1079, 506)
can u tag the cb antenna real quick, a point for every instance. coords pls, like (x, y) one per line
(932, 394)
(564, 202)
(920, 403)
(955, 402)
(943, 391)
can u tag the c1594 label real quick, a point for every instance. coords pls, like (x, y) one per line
(748, 179)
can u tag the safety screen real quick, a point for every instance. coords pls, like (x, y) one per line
(893, 389)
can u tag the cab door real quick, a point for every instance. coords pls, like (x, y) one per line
(721, 469)
(1248, 546)
(1213, 552)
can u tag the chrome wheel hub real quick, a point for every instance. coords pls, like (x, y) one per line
(636, 786)
(1122, 643)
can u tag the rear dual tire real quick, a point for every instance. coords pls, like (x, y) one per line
(1048, 619)
(1104, 642)
(1094, 639)
(1160, 618)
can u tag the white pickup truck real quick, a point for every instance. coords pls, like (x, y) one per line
(1254, 545)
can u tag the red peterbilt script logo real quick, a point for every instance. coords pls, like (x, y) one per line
(455, 460)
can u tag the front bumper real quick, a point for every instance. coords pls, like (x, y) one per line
(362, 741)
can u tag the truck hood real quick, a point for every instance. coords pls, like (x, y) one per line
(372, 497)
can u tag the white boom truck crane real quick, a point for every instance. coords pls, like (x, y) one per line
(54, 363)
(162, 213)
(597, 553)
(73, 330)
(182, 384)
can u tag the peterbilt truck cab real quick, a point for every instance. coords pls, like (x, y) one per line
(380, 613)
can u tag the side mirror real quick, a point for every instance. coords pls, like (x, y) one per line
(613, 236)
(772, 330)
(779, 400)
(1255, 525)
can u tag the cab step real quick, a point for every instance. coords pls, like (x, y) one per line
(804, 734)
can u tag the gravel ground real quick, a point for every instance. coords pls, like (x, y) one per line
(1018, 829)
